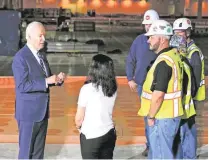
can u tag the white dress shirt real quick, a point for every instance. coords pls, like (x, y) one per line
(34, 51)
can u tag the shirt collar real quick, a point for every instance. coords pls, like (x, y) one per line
(190, 43)
(164, 50)
(33, 50)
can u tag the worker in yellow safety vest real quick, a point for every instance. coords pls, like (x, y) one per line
(188, 132)
(138, 59)
(183, 27)
(162, 92)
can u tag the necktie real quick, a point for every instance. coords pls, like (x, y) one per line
(42, 63)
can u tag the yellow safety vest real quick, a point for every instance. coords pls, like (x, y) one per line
(200, 96)
(188, 105)
(172, 103)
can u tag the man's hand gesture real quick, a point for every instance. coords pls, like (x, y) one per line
(52, 79)
(61, 76)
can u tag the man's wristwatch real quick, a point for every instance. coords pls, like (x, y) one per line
(148, 117)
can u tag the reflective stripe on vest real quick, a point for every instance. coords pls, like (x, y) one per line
(200, 95)
(175, 71)
(189, 110)
(172, 104)
(168, 96)
(194, 47)
(202, 82)
(187, 101)
(187, 106)
(175, 87)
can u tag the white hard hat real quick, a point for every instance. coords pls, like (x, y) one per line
(160, 27)
(182, 24)
(150, 16)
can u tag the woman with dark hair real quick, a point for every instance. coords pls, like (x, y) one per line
(95, 106)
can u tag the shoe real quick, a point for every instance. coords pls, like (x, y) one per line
(145, 152)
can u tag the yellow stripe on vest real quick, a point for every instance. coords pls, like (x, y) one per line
(176, 94)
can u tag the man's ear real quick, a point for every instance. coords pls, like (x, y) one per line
(162, 39)
(28, 37)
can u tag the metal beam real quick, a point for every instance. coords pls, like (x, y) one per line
(199, 10)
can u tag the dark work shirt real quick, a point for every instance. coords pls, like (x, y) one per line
(162, 75)
(196, 64)
(185, 76)
(186, 79)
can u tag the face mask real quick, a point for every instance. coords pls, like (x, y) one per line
(180, 43)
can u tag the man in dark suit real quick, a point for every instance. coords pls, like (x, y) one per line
(33, 79)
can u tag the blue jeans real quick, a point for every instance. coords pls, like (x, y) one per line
(161, 137)
(139, 89)
(186, 144)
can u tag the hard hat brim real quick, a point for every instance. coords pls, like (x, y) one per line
(148, 34)
(151, 34)
(146, 22)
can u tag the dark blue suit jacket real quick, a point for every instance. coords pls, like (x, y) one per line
(32, 95)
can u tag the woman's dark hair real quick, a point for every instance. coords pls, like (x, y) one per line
(101, 73)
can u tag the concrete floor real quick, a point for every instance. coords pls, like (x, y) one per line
(77, 65)
(67, 151)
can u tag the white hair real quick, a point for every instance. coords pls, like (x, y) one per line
(31, 26)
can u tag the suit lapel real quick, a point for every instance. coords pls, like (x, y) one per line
(35, 60)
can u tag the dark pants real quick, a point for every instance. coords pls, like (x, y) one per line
(32, 136)
(98, 148)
